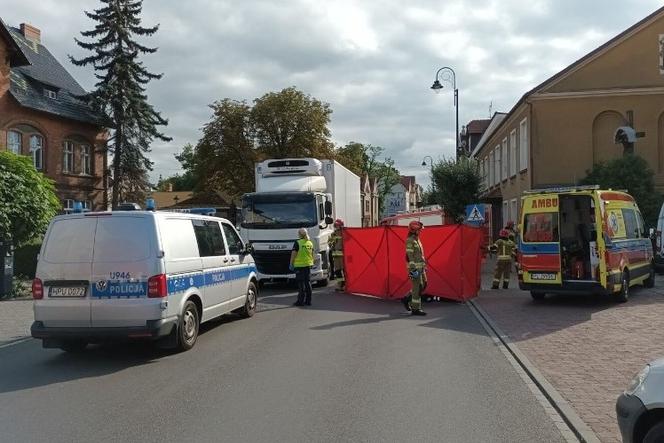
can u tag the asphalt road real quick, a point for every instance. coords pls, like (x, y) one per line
(345, 369)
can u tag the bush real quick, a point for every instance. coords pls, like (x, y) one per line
(25, 259)
(456, 184)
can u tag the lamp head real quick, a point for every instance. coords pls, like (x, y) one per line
(437, 87)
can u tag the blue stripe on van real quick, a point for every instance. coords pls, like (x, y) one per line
(539, 248)
(628, 245)
(211, 278)
(116, 289)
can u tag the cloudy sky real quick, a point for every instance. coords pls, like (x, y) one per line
(373, 61)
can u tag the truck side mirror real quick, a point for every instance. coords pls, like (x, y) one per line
(328, 210)
(329, 220)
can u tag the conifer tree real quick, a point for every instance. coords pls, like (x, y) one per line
(120, 91)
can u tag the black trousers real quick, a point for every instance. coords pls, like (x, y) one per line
(303, 278)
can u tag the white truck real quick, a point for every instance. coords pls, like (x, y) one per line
(293, 193)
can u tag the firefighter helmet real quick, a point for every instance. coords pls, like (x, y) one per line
(504, 233)
(509, 225)
(415, 225)
(338, 223)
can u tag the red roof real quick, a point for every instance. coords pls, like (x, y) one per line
(478, 126)
(408, 181)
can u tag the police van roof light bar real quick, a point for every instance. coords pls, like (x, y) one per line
(199, 211)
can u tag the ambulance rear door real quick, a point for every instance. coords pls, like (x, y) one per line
(539, 244)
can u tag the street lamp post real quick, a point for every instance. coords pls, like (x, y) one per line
(424, 163)
(437, 87)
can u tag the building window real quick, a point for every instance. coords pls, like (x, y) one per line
(496, 165)
(505, 214)
(491, 168)
(85, 160)
(505, 160)
(523, 145)
(50, 93)
(37, 150)
(87, 205)
(14, 142)
(68, 157)
(514, 211)
(513, 159)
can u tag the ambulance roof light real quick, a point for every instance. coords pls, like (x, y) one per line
(78, 207)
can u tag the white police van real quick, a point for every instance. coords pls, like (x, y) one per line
(138, 275)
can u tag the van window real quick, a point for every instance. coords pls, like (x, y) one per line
(615, 224)
(234, 243)
(209, 238)
(71, 241)
(179, 240)
(541, 227)
(631, 225)
(122, 239)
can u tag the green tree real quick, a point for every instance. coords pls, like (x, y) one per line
(366, 159)
(290, 123)
(632, 173)
(187, 181)
(27, 199)
(458, 183)
(120, 92)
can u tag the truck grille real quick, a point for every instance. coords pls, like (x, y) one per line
(272, 262)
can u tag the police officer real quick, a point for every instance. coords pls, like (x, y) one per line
(302, 259)
(336, 243)
(504, 247)
(416, 269)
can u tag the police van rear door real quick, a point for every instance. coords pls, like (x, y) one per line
(125, 257)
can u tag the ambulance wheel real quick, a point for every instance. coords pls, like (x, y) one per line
(249, 308)
(537, 295)
(650, 281)
(623, 295)
(74, 346)
(188, 326)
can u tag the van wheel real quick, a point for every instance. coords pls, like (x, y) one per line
(650, 281)
(249, 308)
(188, 326)
(623, 295)
(537, 295)
(655, 434)
(74, 346)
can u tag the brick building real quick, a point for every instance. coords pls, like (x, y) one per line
(42, 116)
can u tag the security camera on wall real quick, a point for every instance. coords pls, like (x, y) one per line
(625, 134)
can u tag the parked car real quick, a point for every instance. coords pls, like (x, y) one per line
(640, 409)
(138, 275)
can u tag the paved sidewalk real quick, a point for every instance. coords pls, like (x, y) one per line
(588, 347)
(15, 319)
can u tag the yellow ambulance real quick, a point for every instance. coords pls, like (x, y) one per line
(582, 240)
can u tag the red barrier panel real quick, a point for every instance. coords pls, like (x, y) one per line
(375, 261)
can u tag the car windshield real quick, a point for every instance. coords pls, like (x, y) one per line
(276, 211)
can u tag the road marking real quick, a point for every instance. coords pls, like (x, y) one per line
(15, 342)
(570, 425)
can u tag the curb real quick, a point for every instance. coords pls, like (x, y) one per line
(572, 419)
(14, 342)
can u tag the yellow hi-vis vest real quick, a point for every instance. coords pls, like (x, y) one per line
(305, 254)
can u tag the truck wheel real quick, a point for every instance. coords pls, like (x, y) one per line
(537, 295)
(655, 434)
(188, 326)
(623, 295)
(74, 346)
(650, 281)
(249, 308)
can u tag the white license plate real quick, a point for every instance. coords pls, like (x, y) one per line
(66, 291)
(545, 276)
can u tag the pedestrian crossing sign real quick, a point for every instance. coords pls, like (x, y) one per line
(474, 214)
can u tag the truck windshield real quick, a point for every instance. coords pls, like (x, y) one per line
(276, 211)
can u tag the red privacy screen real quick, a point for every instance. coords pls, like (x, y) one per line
(375, 261)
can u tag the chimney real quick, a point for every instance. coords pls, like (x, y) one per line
(31, 33)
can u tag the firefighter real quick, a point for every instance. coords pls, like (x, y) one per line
(336, 244)
(511, 230)
(416, 269)
(504, 247)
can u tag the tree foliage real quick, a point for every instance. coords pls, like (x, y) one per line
(632, 173)
(280, 124)
(27, 199)
(186, 181)
(457, 184)
(366, 160)
(120, 91)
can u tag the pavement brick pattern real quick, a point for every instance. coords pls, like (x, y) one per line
(588, 347)
(15, 319)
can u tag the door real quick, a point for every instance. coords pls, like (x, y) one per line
(65, 267)
(212, 249)
(540, 242)
(124, 259)
(239, 268)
